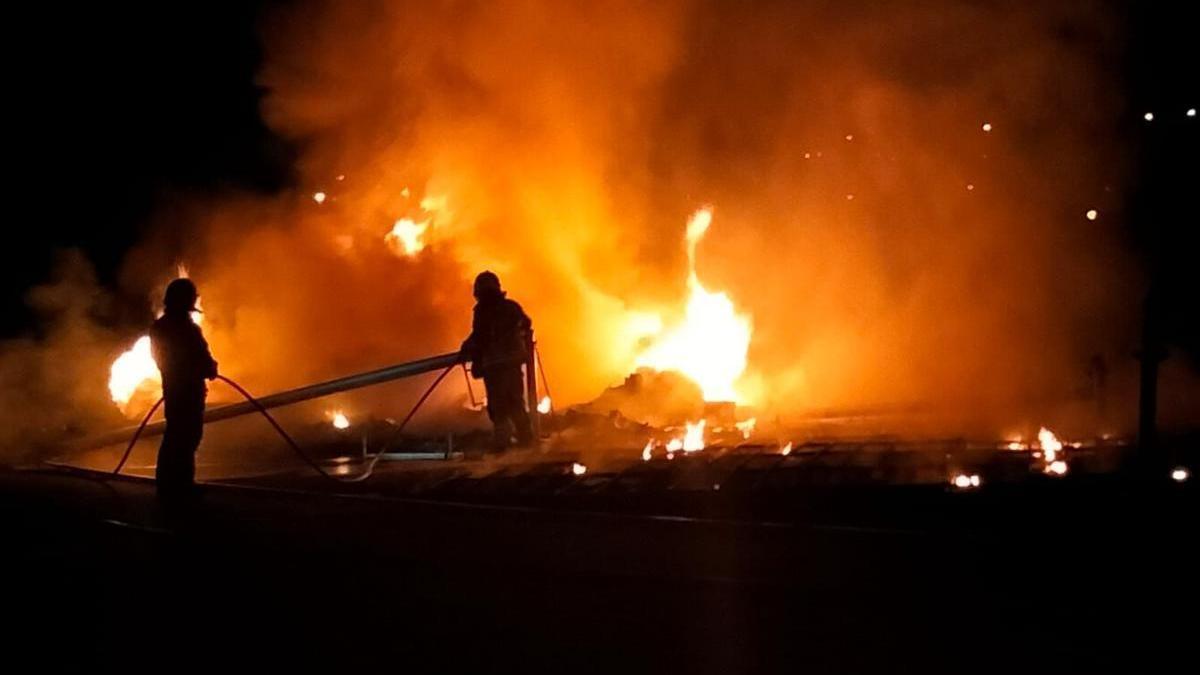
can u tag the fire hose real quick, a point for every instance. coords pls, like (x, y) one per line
(287, 437)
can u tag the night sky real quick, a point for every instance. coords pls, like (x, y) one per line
(119, 108)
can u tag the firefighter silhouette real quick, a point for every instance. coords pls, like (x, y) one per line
(183, 358)
(497, 347)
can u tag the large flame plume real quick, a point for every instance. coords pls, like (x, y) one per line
(710, 344)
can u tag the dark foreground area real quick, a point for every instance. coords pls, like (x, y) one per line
(1062, 577)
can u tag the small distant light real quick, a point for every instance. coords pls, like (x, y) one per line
(849, 198)
(849, 137)
(1149, 117)
(1180, 474)
(1092, 214)
(319, 197)
(341, 176)
(578, 469)
(970, 186)
(964, 481)
(987, 126)
(1191, 112)
(807, 155)
(716, 486)
(405, 192)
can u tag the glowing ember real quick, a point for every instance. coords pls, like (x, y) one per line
(340, 176)
(849, 137)
(578, 469)
(131, 371)
(1051, 447)
(746, 427)
(964, 481)
(1049, 443)
(1016, 445)
(339, 420)
(544, 405)
(987, 126)
(1092, 214)
(786, 450)
(405, 237)
(646, 451)
(674, 445)
(710, 346)
(319, 197)
(1180, 474)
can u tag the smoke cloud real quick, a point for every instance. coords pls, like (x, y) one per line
(890, 251)
(888, 248)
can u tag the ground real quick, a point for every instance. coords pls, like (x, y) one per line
(879, 581)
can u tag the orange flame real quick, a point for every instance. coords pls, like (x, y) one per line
(746, 427)
(964, 481)
(131, 371)
(135, 370)
(1051, 446)
(710, 345)
(406, 236)
(691, 441)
